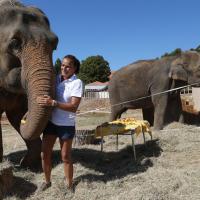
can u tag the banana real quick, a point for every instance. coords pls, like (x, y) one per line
(123, 125)
(23, 121)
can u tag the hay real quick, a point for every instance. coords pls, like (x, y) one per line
(167, 168)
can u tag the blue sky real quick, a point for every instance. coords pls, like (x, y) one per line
(122, 31)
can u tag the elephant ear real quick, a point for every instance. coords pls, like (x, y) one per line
(177, 71)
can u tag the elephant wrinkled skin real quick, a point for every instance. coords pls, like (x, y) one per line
(150, 77)
(26, 71)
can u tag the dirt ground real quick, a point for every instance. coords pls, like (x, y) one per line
(168, 167)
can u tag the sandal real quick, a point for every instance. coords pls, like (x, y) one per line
(70, 189)
(44, 186)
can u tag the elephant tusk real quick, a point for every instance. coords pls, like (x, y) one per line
(23, 121)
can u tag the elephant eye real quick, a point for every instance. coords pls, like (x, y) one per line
(15, 44)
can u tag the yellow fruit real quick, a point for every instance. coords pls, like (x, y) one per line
(23, 121)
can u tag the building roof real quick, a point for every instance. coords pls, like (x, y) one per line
(96, 85)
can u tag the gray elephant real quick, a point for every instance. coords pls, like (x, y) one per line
(26, 71)
(150, 77)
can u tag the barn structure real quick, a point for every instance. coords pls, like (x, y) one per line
(96, 90)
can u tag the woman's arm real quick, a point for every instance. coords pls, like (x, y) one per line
(71, 106)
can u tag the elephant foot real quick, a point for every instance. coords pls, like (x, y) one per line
(158, 125)
(156, 129)
(30, 162)
(32, 159)
(181, 119)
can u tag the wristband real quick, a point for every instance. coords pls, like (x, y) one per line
(54, 103)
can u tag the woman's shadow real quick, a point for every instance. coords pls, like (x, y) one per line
(106, 166)
(21, 188)
(115, 164)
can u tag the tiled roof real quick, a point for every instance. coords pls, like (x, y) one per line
(97, 83)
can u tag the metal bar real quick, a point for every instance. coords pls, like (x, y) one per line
(133, 144)
(117, 142)
(151, 136)
(101, 140)
(144, 137)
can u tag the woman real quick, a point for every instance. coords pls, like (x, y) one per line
(69, 90)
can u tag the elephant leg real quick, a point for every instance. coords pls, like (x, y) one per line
(1, 141)
(116, 112)
(181, 118)
(32, 157)
(160, 105)
(148, 114)
(181, 115)
(174, 110)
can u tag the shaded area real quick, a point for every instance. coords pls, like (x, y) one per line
(190, 118)
(174, 173)
(115, 164)
(21, 188)
(107, 165)
(16, 157)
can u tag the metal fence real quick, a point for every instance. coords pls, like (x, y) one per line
(84, 136)
(187, 90)
(95, 94)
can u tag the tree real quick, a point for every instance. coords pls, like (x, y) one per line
(173, 53)
(197, 48)
(57, 65)
(94, 68)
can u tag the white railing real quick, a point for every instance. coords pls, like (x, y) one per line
(187, 90)
(95, 94)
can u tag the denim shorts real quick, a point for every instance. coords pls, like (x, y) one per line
(63, 132)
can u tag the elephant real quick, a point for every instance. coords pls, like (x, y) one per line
(26, 72)
(143, 85)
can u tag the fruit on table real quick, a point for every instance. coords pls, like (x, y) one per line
(121, 126)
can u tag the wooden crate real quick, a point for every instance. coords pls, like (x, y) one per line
(188, 104)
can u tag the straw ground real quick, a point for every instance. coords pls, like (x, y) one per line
(168, 167)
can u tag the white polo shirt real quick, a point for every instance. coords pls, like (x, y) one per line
(72, 87)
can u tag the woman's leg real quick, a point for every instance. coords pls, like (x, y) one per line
(66, 147)
(48, 142)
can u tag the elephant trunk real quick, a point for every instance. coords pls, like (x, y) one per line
(38, 79)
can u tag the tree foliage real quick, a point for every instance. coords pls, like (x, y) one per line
(94, 68)
(57, 65)
(196, 49)
(176, 52)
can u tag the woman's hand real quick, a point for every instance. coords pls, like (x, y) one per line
(45, 100)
